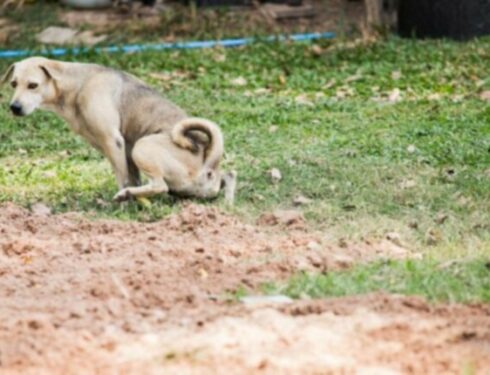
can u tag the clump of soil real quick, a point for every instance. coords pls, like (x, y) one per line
(81, 296)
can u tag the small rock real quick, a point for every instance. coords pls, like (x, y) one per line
(265, 300)
(342, 260)
(57, 35)
(411, 149)
(313, 246)
(394, 237)
(40, 209)
(301, 200)
(275, 175)
(316, 260)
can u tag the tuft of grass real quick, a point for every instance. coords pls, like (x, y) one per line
(465, 281)
(369, 165)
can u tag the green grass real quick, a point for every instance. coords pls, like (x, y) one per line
(369, 166)
(465, 282)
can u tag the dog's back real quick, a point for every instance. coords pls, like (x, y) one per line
(144, 111)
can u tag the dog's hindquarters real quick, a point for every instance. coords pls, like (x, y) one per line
(213, 151)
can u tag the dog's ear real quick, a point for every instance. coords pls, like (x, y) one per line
(8, 74)
(52, 70)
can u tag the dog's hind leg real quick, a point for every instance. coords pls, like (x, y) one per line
(148, 157)
(155, 186)
(134, 173)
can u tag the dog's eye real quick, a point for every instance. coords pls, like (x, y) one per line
(13, 84)
(32, 86)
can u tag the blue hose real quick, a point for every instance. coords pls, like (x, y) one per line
(131, 48)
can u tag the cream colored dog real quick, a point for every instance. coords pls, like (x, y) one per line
(130, 123)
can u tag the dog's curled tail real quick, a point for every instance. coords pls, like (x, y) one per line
(214, 149)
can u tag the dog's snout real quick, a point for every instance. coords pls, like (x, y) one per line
(16, 108)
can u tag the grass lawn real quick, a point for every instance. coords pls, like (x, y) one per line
(438, 282)
(387, 137)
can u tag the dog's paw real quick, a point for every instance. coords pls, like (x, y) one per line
(122, 196)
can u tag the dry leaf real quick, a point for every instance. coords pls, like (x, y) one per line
(434, 96)
(303, 100)
(352, 78)
(441, 218)
(262, 90)
(396, 75)
(316, 50)
(282, 79)
(394, 95)
(329, 84)
(275, 175)
(169, 76)
(239, 81)
(433, 236)
(220, 57)
(408, 184)
(301, 200)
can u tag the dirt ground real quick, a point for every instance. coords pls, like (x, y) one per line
(109, 297)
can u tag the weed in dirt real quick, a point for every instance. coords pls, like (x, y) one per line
(465, 281)
(390, 136)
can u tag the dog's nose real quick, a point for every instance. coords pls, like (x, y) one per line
(16, 108)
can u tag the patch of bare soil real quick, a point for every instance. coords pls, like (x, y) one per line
(107, 297)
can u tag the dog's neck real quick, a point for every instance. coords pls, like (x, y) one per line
(64, 104)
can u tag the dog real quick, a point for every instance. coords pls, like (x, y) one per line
(131, 124)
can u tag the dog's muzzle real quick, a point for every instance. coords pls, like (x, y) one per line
(16, 109)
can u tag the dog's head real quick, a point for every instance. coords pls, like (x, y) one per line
(34, 81)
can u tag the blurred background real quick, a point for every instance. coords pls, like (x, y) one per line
(34, 23)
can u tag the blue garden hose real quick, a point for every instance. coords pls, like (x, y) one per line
(131, 48)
